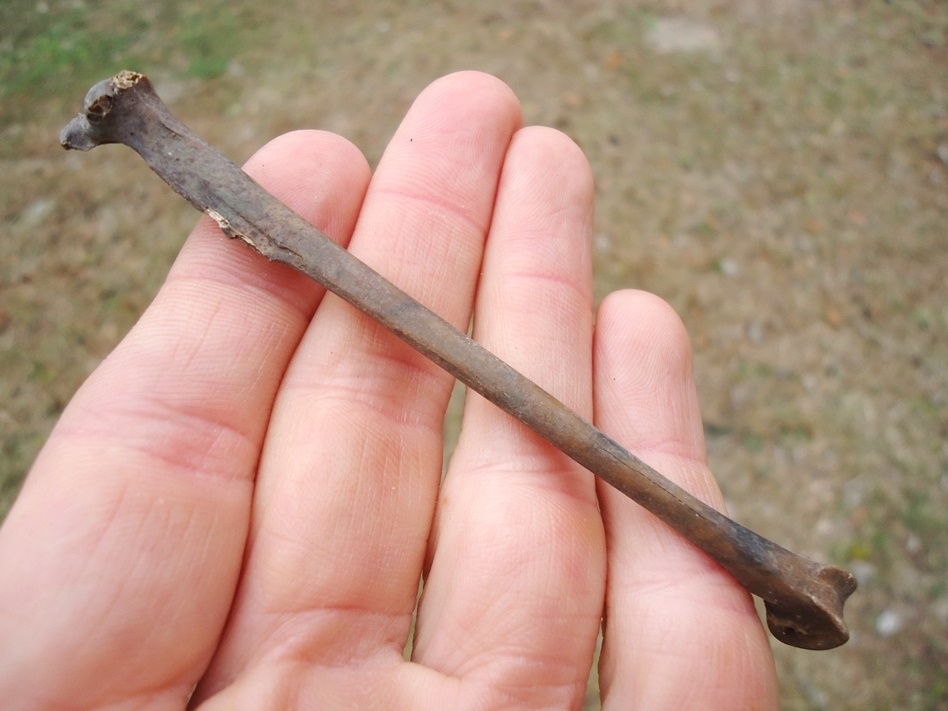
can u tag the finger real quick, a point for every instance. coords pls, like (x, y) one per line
(514, 594)
(353, 462)
(680, 632)
(120, 558)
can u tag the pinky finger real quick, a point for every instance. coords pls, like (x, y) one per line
(680, 632)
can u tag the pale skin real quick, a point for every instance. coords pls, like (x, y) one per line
(244, 496)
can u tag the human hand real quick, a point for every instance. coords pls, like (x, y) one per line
(244, 496)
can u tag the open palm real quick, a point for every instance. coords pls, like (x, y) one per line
(236, 509)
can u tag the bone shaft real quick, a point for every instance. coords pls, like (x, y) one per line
(804, 599)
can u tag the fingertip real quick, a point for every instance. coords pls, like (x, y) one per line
(477, 87)
(643, 366)
(640, 326)
(471, 111)
(555, 165)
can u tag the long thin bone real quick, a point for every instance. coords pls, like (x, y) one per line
(804, 599)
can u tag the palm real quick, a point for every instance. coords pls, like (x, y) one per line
(247, 493)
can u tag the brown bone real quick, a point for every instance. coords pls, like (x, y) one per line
(804, 599)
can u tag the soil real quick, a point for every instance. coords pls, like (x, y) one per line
(777, 171)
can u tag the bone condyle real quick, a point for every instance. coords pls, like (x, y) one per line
(804, 599)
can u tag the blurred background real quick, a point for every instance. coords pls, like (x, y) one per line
(778, 171)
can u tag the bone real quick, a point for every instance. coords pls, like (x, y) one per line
(803, 599)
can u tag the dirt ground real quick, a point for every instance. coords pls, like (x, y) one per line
(776, 171)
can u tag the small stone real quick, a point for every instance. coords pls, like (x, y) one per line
(602, 242)
(755, 331)
(863, 571)
(729, 267)
(888, 623)
(913, 544)
(680, 35)
(833, 316)
(35, 213)
(613, 60)
(572, 99)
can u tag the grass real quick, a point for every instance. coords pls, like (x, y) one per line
(48, 48)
